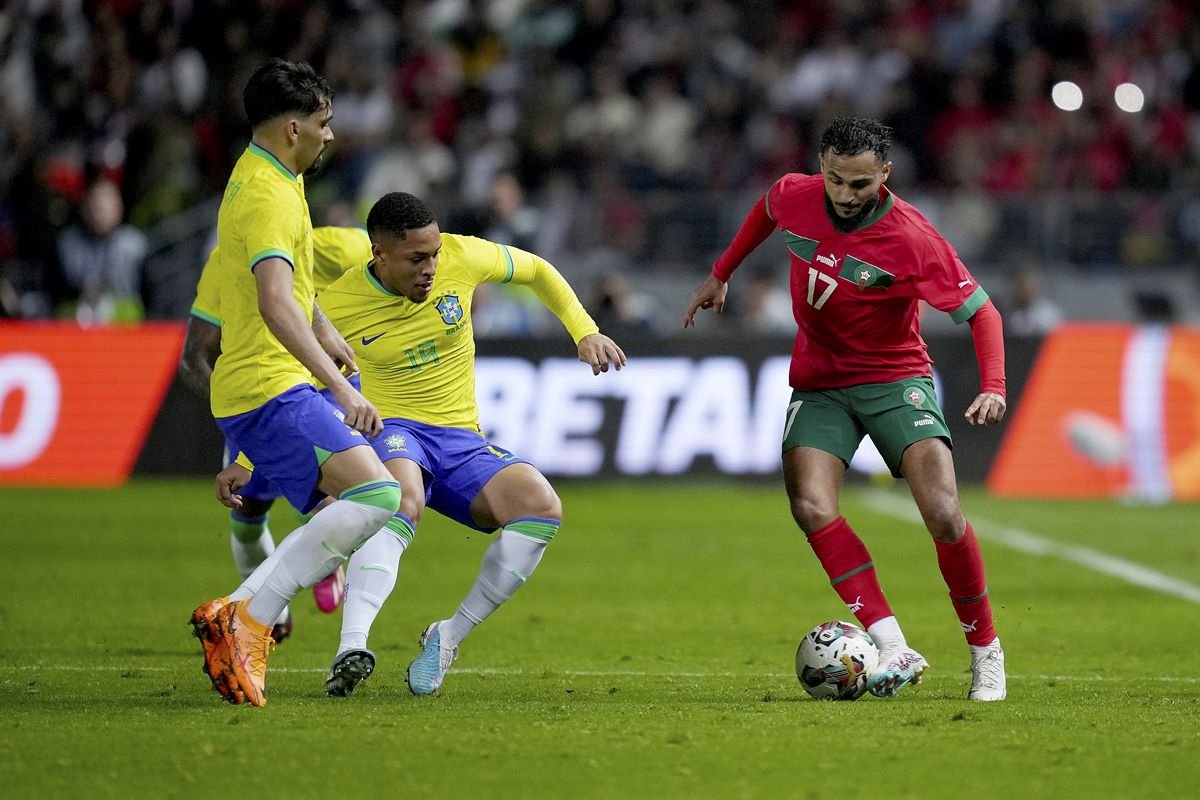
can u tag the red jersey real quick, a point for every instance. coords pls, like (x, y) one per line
(855, 295)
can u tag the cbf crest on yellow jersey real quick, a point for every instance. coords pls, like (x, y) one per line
(417, 360)
(263, 215)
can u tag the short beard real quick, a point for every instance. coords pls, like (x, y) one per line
(850, 224)
(315, 166)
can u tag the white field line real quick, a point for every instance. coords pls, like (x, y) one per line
(28, 669)
(1027, 542)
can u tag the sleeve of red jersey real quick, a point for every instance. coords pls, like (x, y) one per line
(757, 226)
(987, 331)
(944, 281)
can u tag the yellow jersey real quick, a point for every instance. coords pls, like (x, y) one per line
(417, 360)
(335, 250)
(263, 215)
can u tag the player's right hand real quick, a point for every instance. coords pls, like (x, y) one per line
(229, 480)
(360, 414)
(709, 294)
(598, 352)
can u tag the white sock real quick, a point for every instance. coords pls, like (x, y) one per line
(887, 635)
(248, 555)
(507, 563)
(370, 578)
(254, 581)
(314, 550)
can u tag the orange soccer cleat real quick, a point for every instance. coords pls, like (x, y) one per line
(249, 643)
(216, 654)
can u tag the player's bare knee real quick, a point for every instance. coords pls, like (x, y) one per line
(412, 505)
(945, 523)
(544, 504)
(812, 513)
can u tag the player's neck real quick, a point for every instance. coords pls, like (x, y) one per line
(373, 269)
(278, 150)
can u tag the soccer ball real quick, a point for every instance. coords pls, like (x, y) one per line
(834, 660)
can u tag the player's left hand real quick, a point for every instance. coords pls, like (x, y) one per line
(988, 409)
(229, 480)
(710, 294)
(598, 352)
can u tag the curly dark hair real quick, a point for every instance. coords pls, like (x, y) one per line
(397, 213)
(849, 136)
(281, 87)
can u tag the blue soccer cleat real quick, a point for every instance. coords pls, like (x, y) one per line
(897, 668)
(428, 670)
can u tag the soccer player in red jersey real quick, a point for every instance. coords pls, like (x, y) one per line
(861, 259)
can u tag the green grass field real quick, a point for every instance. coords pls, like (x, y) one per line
(651, 656)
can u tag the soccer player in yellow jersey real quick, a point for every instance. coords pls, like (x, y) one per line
(407, 314)
(274, 342)
(334, 251)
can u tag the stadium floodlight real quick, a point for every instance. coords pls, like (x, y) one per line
(1129, 97)
(1067, 96)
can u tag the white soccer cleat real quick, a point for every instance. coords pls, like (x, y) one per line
(897, 669)
(987, 673)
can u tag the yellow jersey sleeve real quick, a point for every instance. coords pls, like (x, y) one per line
(263, 215)
(336, 250)
(207, 305)
(553, 290)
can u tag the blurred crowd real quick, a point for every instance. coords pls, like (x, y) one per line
(613, 137)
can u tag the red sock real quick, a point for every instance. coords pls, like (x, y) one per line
(851, 571)
(961, 564)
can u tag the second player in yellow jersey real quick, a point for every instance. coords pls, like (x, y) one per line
(407, 315)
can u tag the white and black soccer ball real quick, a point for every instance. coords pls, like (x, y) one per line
(834, 660)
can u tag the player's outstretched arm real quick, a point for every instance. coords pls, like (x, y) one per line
(987, 331)
(200, 350)
(598, 351)
(709, 294)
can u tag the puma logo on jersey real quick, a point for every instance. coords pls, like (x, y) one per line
(961, 284)
(829, 261)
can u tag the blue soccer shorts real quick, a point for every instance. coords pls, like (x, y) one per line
(457, 463)
(259, 488)
(288, 438)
